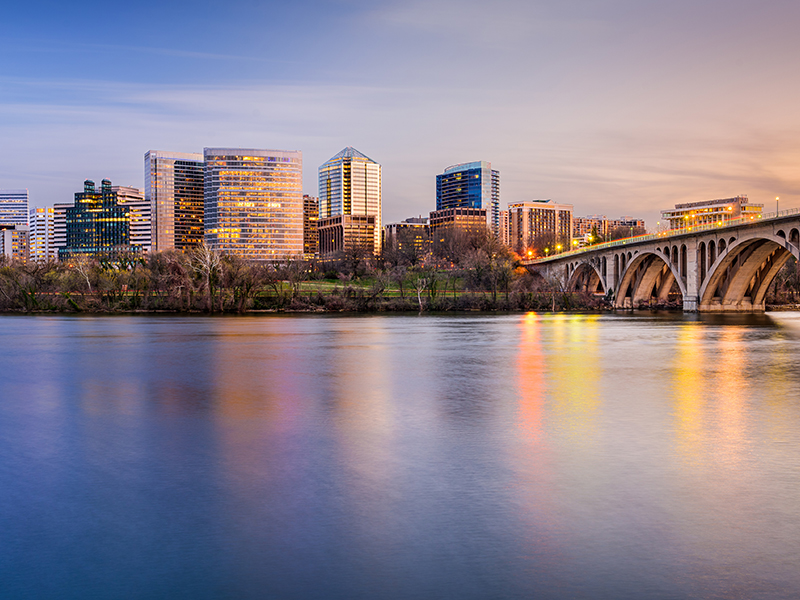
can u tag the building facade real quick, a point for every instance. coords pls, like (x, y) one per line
(411, 237)
(538, 225)
(350, 186)
(13, 207)
(450, 226)
(471, 185)
(14, 242)
(173, 186)
(583, 227)
(60, 226)
(254, 202)
(710, 212)
(505, 229)
(42, 235)
(310, 229)
(353, 235)
(139, 215)
(96, 225)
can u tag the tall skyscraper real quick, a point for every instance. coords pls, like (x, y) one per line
(41, 244)
(471, 185)
(13, 207)
(254, 202)
(173, 185)
(96, 224)
(349, 202)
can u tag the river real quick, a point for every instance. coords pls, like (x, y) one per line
(479, 456)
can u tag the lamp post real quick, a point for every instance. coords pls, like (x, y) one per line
(777, 200)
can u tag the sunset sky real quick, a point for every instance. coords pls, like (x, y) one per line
(617, 107)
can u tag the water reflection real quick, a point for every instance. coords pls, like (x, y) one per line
(574, 369)
(688, 387)
(731, 385)
(531, 368)
(513, 456)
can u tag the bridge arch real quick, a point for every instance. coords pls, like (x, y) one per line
(741, 275)
(649, 275)
(587, 277)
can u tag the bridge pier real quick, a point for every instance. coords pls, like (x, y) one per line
(691, 304)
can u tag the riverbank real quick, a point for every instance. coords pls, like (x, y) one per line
(337, 300)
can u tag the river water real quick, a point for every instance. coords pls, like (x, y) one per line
(511, 456)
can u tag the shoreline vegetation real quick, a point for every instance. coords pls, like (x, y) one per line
(486, 278)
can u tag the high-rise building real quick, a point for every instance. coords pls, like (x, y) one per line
(254, 202)
(60, 226)
(540, 223)
(173, 185)
(96, 224)
(13, 207)
(139, 215)
(310, 231)
(471, 185)
(710, 212)
(349, 203)
(41, 243)
(14, 241)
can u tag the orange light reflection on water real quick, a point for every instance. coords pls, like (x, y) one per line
(689, 390)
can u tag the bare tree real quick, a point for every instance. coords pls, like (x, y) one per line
(206, 263)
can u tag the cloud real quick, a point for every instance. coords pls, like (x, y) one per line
(604, 155)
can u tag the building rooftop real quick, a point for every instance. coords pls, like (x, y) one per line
(351, 152)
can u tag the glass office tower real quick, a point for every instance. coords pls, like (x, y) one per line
(350, 186)
(173, 185)
(96, 224)
(471, 185)
(254, 202)
(13, 207)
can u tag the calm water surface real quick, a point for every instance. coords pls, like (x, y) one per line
(522, 456)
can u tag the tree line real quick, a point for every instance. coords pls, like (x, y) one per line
(458, 271)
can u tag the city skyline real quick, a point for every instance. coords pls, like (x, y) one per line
(613, 107)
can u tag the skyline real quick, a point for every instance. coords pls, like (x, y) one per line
(615, 107)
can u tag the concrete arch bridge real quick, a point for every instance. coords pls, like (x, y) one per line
(712, 268)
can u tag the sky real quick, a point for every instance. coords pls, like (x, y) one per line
(618, 107)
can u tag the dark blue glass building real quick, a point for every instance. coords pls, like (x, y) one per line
(471, 185)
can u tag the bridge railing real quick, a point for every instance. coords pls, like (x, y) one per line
(675, 233)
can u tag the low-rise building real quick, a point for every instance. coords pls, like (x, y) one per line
(411, 238)
(450, 223)
(347, 235)
(710, 212)
(14, 242)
